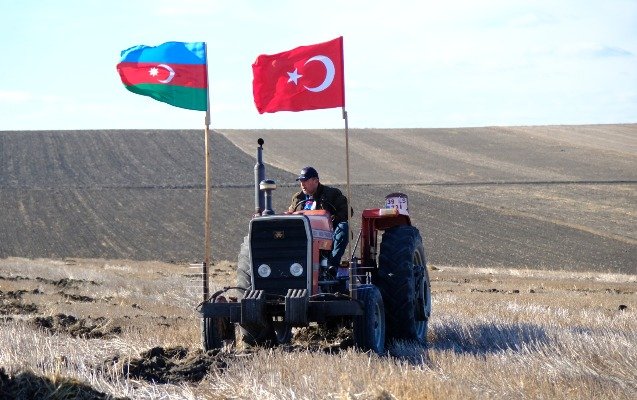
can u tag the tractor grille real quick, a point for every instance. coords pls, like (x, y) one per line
(279, 242)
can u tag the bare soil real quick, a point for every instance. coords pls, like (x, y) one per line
(554, 197)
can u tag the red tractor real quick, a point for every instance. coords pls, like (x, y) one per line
(384, 294)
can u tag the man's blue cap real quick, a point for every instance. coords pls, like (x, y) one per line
(307, 173)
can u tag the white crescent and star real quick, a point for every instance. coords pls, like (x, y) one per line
(329, 75)
(294, 76)
(154, 71)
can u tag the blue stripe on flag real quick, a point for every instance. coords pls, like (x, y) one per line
(169, 53)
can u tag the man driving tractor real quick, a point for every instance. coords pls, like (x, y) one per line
(316, 196)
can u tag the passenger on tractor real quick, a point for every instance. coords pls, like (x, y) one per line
(316, 196)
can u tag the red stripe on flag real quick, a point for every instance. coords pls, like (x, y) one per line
(188, 75)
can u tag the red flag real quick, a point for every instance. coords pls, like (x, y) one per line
(305, 78)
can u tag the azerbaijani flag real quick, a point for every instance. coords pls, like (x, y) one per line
(174, 72)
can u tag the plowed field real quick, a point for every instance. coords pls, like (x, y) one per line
(558, 197)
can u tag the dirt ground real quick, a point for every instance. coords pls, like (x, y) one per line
(553, 197)
(117, 300)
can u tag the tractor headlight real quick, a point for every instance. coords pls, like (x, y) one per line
(264, 270)
(296, 269)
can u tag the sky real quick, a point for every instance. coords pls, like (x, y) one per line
(408, 64)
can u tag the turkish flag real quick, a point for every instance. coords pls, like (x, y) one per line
(305, 78)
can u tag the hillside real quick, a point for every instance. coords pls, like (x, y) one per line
(560, 197)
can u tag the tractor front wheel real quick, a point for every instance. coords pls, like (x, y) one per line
(215, 331)
(423, 302)
(249, 335)
(244, 267)
(282, 332)
(369, 328)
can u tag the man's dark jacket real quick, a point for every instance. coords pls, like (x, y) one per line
(327, 198)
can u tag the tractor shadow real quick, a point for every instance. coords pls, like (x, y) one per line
(475, 340)
(29, 385)
(482, 339)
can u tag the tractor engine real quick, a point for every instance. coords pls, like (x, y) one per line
(286, 252)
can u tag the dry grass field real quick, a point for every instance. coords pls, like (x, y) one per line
(127, 329)
(529, 232)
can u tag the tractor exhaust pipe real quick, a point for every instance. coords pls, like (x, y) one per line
(259, 175)
(267, 186)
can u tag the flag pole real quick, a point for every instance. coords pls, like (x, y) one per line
(349, 192)
(206, 263)
(352, 291)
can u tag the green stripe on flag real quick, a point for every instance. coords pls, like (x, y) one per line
(178, 96)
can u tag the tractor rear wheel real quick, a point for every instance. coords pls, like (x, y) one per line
(369, 328)
(404, 283)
